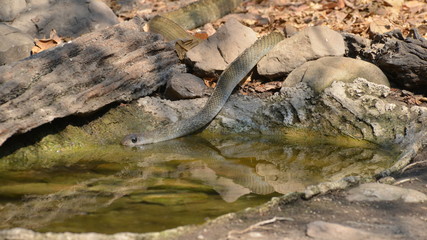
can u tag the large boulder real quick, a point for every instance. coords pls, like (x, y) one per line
(68, 18)
(213, 55)
(310, 44)
(14, 44)
(11, 8)
(321, 73)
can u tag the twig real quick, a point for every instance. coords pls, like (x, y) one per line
(412, 164)
(257, 225)
(405, 180)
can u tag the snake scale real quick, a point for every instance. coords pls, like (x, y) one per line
(171, 26)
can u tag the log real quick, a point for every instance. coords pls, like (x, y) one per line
(116, 64)
(403, 60)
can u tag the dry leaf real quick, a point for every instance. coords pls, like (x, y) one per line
(395, 3)
(379, 25)
(340, 4)
(44, 44)
(201, 35)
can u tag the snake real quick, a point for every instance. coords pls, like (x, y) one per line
(172, 26)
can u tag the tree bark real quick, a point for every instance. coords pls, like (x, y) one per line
(120, 63)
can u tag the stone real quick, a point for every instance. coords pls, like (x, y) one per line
(14, 44)
(320, 230)
(310, 44)
(184, 86)
(10, 9)
(68, 18)
(213, 55)
(321, 73)
(384, 192)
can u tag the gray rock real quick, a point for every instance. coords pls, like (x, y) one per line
(310, 44)
(10, 9)
(384, 192)
(14, 45)
(213, 55)
(68, 18)
(184, 86)
(320, 230)
(321, 73)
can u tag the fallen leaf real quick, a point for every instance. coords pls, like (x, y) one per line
(395, 3)
(201, 35)
(379, 25)
(44, 44)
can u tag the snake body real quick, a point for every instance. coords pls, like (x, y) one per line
(231, 76)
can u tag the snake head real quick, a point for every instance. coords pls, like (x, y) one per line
(132, 140)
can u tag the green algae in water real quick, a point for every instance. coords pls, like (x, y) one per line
(111, 189)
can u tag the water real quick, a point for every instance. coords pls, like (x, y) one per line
(111, 189)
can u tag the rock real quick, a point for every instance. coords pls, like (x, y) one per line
(321, 230)
(310, 44)
(14, 45)
(10, 9)
(213, 55)
(184, 86)
(289, 30)
(384, 192)
(68, 18)
(321, 73)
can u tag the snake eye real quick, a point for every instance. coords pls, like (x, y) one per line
(134, 139)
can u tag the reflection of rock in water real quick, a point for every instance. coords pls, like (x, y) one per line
(288, 168)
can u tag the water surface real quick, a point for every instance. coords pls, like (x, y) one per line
(111, 189)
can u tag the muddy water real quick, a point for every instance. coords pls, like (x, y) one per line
(111, 189)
